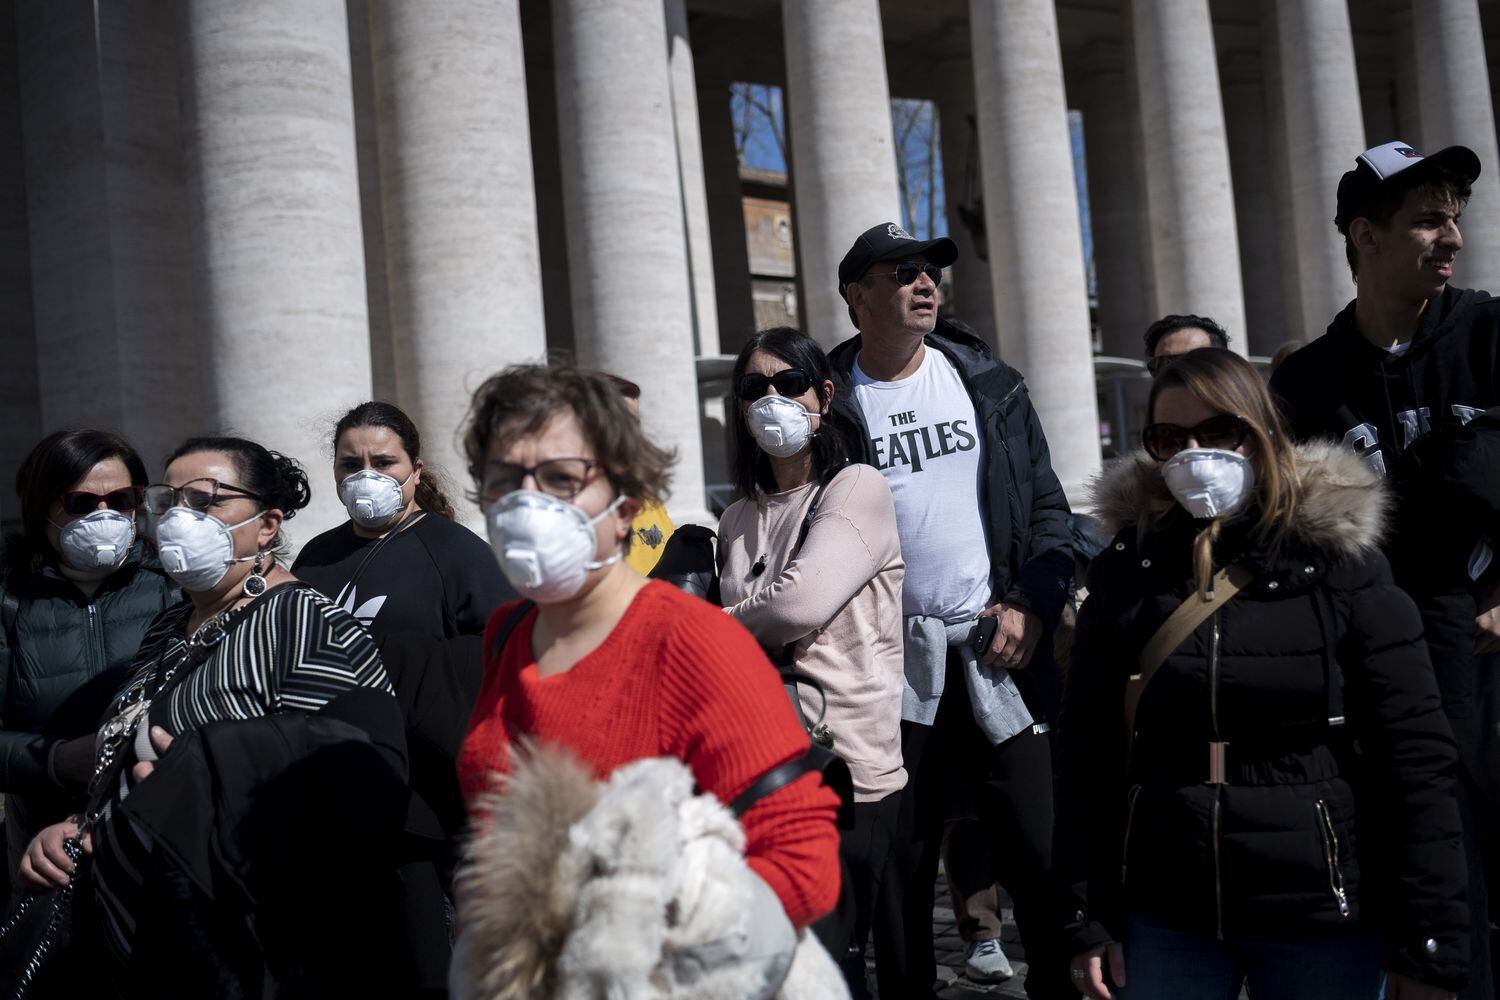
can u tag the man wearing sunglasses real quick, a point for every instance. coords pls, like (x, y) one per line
(1408, 375)
(984, 532)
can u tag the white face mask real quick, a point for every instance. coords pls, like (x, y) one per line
(782, 427)
(373, 498)
(1209, 482)
(97, 541)
(196, 548)
(545, 545)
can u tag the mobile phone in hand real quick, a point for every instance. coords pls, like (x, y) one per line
(984, 633)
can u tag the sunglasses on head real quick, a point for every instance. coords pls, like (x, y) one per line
(1225, 431)
(77, 503)
(909, 270)
(792, 382)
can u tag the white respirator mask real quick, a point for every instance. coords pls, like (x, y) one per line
(1209, 482)
(97, 541)
(782, 427)
(373, 498)
(545, 545)
(196, 548)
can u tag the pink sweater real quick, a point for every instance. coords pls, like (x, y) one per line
(839, 600)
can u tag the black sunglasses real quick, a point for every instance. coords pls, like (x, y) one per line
(909, 270)
(1226, 431)
(76, 503)
(791, 382)
(1156, 363)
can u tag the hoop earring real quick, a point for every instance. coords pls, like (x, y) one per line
(255, 583)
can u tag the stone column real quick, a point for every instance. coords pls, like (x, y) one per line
(459, 206)
(1245, 119)
(1108, 116)
(839, 116)
(632, 312)
(1323, 136)
(1194, 241)
(1455, 85)
(726, 218)
(690, 168)
(1031, 221)
(372, 215)
(279, 263)
(1280, 170)
(971, 297)
(20, 406)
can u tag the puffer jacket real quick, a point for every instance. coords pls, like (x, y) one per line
(1338, 809)
(62, 659)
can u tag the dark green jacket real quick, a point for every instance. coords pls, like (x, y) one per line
(63, 656)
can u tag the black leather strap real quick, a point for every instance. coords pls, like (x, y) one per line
(773, 780)
(506, 629)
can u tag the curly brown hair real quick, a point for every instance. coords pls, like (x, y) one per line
(521, 400)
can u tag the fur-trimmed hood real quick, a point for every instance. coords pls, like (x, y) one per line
(1343, 510)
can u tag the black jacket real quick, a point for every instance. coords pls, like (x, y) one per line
(1408, 415)
(1310, 836)
(1026, 513)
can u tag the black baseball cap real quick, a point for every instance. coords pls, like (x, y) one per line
(888, 241)
(1378, 166)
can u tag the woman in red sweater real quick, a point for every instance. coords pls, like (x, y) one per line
(608, 664)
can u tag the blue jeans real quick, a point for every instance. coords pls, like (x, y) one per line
(1162, 963)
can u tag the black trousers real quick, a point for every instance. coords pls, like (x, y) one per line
(954, 772)
(864, 858)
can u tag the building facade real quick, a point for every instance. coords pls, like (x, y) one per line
(246, 217)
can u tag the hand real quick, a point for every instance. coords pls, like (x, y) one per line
(160, 740)
(1399, 987)
(73, 761)
(1015, 639)
(1487, 624)
(1091, 964)
(45, 863)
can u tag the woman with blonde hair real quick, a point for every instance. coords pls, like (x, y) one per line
(1282, 815)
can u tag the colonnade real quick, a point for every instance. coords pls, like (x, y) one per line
(220, 216)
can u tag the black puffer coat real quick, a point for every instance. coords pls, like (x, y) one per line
(62, 658)
(1321, 827)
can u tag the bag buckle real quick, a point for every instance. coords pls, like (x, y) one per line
(1217, 764)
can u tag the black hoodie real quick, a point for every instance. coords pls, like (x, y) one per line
(1344, 387)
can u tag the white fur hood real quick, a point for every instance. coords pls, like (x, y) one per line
(1343, 510)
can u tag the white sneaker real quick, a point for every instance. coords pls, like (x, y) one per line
(985, 962)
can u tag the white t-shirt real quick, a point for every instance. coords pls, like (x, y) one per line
(928, 445)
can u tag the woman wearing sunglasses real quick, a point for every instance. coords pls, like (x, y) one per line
(76, 592)
(400, 563)
(254, 708)
(607, 664)
(811, 564)
(1276, 809)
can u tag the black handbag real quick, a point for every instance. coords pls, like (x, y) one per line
(38, 929)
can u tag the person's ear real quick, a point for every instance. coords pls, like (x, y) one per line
(270, 527)
(625, 516)
(1363, 235)
(827, 395)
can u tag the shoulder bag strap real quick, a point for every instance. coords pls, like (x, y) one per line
(406, 522)
(1179, 625)
(508, 627)
(787, 653)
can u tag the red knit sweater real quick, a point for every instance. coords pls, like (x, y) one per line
(676, 678)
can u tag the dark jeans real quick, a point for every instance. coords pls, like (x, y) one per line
(952, 769)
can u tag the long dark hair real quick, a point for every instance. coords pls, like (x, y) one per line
(58, 461)
(430, 494)
(278, 480)
(752, 467)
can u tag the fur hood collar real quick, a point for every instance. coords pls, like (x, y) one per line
(1344, 507)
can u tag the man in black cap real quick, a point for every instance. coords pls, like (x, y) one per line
(984, 532)
(1408, 374)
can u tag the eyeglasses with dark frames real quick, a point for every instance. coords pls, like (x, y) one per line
(77, 503)
(908, 271)
(197, 494)
(788, 382)
(1226, 431)
(563, 478)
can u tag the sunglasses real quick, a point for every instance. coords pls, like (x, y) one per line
(909, 270)
(1225, 431)
(76, 503)
(198, 494)
(792, 382)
